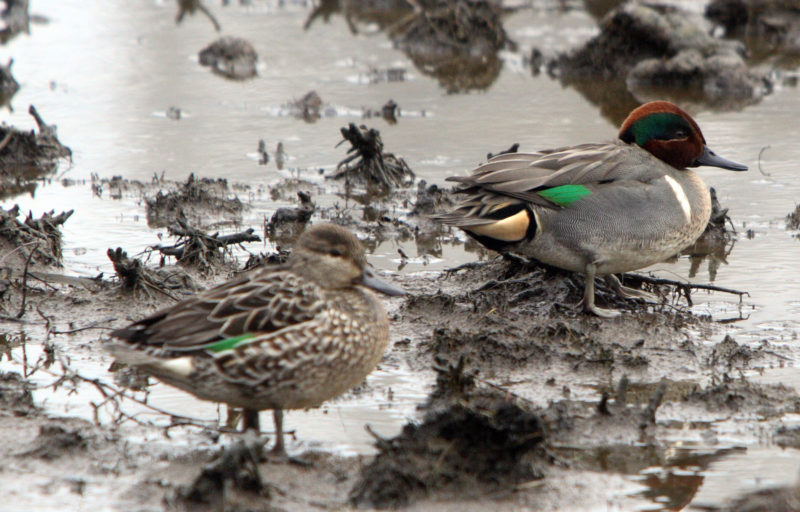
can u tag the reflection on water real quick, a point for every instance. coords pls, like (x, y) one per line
(671, 474)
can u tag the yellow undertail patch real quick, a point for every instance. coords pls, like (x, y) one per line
(510, 229)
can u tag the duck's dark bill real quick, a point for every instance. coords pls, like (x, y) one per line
(370, 280)
(711, 159)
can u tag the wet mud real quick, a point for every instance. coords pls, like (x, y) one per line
(477, 437)
(469, 443)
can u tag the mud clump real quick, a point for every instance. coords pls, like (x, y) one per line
(194, 200)
(32, 240)
(231, 482)
(308, 108)
(470, 442)
(665, 48)
(230, 57)
(793, 219)
(15, 395)
(788, 437)
(369, 165)
(286, 224)
(54, 441)
(431, 199)
(27, 156)
(730, 354)
(740, 394)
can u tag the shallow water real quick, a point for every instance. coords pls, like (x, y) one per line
(106, 73)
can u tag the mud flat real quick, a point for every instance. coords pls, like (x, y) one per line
(507, 424)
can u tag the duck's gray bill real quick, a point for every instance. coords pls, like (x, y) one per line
(711, 159)
(370, 280)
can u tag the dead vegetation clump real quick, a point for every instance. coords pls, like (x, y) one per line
(27, 156)
(369, 165)
(137, 277)
(455, 41)
(199, 249)
(194, 199)
(470, 442)
(32, 240)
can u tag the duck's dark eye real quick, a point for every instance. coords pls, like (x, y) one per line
(335, 252)
(680, 133)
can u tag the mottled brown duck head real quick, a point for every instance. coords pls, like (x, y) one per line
(332, 256)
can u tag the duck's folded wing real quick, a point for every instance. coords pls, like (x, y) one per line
(263, 302)
(524, 175)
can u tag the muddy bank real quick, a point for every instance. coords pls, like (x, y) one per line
(769, 28)
(660, 52)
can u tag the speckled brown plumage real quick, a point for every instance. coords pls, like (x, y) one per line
(283, 337)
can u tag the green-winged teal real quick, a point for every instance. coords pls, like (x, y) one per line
(599, 209)
(281, 337)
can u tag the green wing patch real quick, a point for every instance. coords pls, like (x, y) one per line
(229, 343)
(564, 195)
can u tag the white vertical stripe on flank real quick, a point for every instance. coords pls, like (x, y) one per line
(680, 195)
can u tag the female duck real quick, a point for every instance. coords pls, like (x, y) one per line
(283, 337)
(599, 209)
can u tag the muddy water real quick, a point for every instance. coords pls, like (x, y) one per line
(107, 72)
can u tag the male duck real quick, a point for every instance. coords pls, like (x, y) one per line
(281, 337)
(600, 209)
